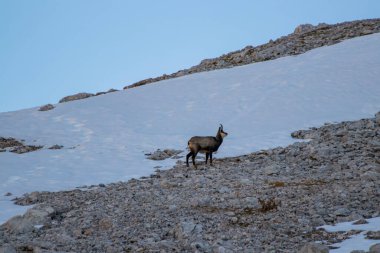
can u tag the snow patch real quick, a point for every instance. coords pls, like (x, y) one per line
(355, 242)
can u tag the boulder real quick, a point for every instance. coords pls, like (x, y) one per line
(314, 248)
(56, 146)
(163, 154)
(9, 142)
(303, 28)
(342, 212)
(373, 235)
(18, 225)
(26, 223)
(375, 248)
(25, 149)
(377, 118)
(7, 248)
(46, 107)
(187, 230)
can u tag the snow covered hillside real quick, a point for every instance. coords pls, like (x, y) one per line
(105, 138)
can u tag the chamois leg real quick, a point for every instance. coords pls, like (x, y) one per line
(207, 154)
(193, 157)
(187, 158)
(210, 158)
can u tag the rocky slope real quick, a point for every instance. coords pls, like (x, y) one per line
(267, 201)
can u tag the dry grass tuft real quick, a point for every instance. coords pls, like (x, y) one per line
(268, 205)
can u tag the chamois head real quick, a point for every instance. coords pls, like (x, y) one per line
(221, 132)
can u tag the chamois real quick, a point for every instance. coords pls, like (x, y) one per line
(205, 144)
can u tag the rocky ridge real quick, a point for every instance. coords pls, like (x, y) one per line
(304, 38)
(267, 201)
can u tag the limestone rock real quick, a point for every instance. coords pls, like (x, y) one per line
(360, 221)
(9, 142)
(25, 149)
(7, 248)
(375, 248)
(76, 97)
(314, 248)
(373, 235)
(56, 147)
(187, 229)
(163, 154)
(46, 107)
(342, 212)
(377, 118)
(37, 215)
(303, 28)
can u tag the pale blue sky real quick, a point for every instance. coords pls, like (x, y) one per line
(53, 48)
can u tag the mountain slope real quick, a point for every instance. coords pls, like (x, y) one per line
(268, 201)
(304, 38)
(105, 138)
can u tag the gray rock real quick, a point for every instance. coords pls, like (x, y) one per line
(29, 198)
(100, 93)
(342, 212)
(360, 221)
(7, 248)
(18, 225)
(252, 202)
(375, 248)
(303, 28)
(200, 246)
(271, 169)
(187, 229)
(370, 176)
(46, 107)
(112, 90)
(37, 215)
(224, 189)
(77, 96)
(56, 147)
(373, 235)
(163, 154)
(25, 149)
(377, 118)
(9, 142)
(314, 248)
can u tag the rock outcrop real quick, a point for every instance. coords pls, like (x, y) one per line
(314, 248)
(46, 107)
(77, 96)
(16, 146)
(84, 95)
(163, 154)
